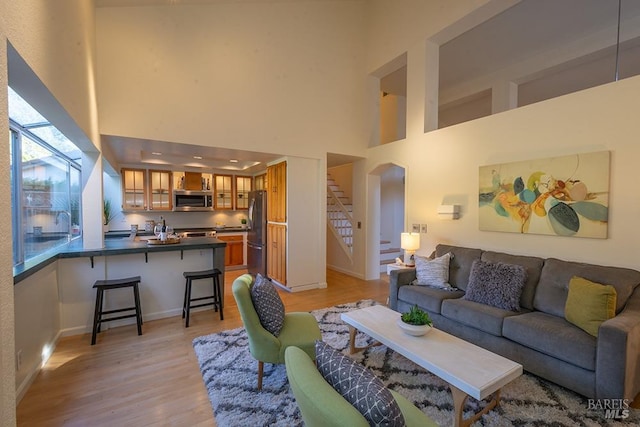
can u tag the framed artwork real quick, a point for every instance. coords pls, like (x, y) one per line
(561, 196)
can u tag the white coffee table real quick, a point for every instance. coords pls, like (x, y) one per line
(468, 369)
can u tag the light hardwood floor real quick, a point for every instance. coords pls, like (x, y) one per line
(153, 379)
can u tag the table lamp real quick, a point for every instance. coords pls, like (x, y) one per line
(410, 242)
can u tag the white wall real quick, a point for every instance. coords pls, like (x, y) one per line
(306, 219)
(281, 77)
(56, 41)
(443, 168)
(37, 320)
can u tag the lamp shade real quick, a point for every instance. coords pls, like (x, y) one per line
(410, 241)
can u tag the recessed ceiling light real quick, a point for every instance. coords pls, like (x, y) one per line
(155, 153)
(233, 161)
(197, 157)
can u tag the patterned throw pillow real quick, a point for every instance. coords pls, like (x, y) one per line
(433, 272)
(359, 386)
(268, 305)
(497, 284)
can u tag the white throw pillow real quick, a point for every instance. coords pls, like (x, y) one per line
(433, 272)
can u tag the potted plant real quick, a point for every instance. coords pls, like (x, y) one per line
(415, 322)
(243, 221)
(107, 214)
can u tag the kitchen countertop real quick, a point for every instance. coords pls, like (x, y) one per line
(125, 233)
(112, 246)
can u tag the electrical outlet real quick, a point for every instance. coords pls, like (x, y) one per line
(423, 228)
(18, 360)
(415, 228)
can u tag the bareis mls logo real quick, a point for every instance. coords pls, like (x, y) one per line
(614, 409)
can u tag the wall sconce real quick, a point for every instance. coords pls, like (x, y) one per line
(410, 242)
(449, 211)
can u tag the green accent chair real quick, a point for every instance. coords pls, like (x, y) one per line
(299, 329)
(322, 406)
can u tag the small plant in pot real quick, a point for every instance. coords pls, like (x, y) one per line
(415, 321)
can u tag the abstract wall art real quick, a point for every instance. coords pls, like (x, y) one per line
(562, 196)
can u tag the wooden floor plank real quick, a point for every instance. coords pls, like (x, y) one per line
(154, 379)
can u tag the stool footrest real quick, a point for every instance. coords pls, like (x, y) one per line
(127, 316)
(205, 304)
(118, 310)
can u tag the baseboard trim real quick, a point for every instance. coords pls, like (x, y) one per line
(347, 272)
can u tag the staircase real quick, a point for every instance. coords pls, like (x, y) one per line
(340, 216)
(388, 255)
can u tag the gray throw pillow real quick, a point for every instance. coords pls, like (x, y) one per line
(497, 284)
(359, 386)
(268, 305)
(433, 272)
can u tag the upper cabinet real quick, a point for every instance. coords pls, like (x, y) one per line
(223, 191)
(134, 185)
(243, 186)
(260, 182)
(160, 190)
(231, 192)
(277, 192)
(144, 189)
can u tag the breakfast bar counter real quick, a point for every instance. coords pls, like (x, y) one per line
(117, 246)
(69, 274)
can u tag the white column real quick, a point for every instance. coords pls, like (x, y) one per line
(432, 79)
(92, 196)
(504, 96)
(7, 327)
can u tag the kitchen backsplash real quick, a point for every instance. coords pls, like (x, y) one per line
(123, 221)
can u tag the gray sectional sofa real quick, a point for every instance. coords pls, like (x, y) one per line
(538, 336)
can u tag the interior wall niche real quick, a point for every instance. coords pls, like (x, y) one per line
(392, 97)
(542, 49)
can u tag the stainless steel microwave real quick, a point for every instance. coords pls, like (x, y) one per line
(194, 201)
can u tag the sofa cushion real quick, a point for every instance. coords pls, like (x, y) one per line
(533, 267)
(496, 284)
(427, 297)
(268, 305)
(589, 304)
(476, 315)
(359, 386)
(433, 272)
(554, 336)
(553, 287)
(460, 263)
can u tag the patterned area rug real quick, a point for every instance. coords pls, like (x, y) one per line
(230, 375)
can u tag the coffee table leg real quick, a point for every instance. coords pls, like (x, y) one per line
(459, 397)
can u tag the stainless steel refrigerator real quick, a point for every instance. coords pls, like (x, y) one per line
(257, 234)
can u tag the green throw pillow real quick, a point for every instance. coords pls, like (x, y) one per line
(589, 304)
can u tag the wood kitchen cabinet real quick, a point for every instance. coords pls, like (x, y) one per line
(160, 190)
(134, 183)
(277, 252)
(234, 252)
(243, 186)
(259, 182)
(277, 192)
(223, 192)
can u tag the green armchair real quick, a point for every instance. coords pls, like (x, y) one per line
(322, 406)
(299, 329)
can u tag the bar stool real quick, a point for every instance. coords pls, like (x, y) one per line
(104, 285)
(216, 298)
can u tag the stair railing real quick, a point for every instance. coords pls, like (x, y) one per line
(338, 214)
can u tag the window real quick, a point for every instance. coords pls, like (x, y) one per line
(45, 183)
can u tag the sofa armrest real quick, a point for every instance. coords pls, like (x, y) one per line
(398, 278)
(618, 353)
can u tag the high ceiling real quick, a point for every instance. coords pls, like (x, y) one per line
(548, 47)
